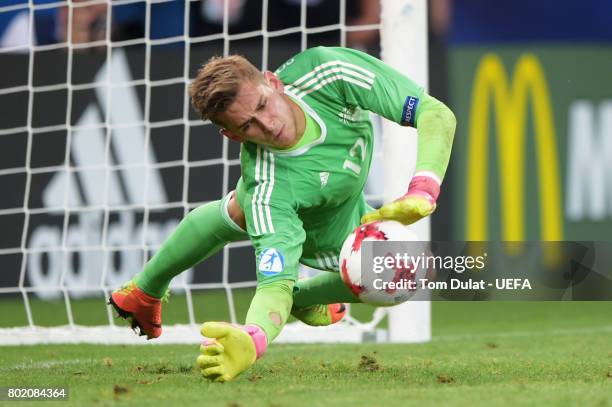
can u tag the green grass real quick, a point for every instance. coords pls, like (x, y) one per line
(491, 353)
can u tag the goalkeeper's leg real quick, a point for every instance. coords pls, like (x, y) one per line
(202, 233)
(324, 288)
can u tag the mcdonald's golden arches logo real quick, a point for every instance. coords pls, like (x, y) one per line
(511, 103)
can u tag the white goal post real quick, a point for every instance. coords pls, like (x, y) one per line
(85, 222)
(403, 35)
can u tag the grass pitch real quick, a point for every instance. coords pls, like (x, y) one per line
(482, 354)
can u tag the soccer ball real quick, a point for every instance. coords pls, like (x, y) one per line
(397, 287)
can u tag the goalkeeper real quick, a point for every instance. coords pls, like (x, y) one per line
(306, 152)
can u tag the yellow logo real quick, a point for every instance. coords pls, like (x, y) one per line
(510, 102)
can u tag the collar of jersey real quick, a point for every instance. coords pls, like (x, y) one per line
(309, 111)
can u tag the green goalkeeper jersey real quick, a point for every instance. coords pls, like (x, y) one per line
(301, 204)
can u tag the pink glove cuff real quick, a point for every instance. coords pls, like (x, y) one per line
(257, 334)
(259, 338)
(425, 184)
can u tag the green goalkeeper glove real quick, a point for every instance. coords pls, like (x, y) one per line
(419, 202)
(231, 350)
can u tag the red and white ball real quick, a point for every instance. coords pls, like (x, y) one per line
(351, 270)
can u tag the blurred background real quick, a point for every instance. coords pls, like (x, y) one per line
(101, 154)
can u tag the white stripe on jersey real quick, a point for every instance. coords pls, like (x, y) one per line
(328, 262)
(264, 177)
(319, 76)
(339, 69)
(262, 191)
(255, 192)
(292, 90)
(334, 259)
(320, 261)
(333, 63)
(270, 187)
(331, 79)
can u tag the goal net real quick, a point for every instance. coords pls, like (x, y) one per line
(102, 156)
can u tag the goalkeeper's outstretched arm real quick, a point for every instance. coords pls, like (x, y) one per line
(436, 128)
(232, 348)
(397, 98)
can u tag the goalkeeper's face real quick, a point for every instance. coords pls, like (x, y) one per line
(263, 114)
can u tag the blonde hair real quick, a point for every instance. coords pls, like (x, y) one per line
(218, 82)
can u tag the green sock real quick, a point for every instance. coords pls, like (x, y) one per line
(202, 233)
(324, 288)
(270, 307)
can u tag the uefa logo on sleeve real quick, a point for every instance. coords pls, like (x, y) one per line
(271, 261)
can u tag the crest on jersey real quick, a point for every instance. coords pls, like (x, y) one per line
(349, 114)
(324, 176)
(271, 261)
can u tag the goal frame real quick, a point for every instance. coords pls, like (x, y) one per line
(403, 32)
